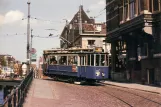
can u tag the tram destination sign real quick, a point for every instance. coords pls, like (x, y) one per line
(33, 51)
(98, 49)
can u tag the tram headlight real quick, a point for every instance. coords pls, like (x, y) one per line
(97, 73)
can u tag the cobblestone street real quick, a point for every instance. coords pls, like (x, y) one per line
(48, 93)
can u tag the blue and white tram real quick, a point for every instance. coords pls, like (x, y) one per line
(76, 64)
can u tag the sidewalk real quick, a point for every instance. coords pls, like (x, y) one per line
(39, 95)
(135, 86)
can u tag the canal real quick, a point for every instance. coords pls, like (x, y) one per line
(4, 91)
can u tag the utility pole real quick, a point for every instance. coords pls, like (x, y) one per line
(28, 38)
(31, 47)
(80, 19)
(66, 36)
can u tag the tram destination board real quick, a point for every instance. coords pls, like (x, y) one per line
(98, 49)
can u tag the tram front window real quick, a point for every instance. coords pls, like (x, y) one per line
(53, 60)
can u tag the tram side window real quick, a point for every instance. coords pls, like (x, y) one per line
(53, 60)
(88, 63)
(91, 60)
(63, 60)
(97, 60)
(100, 60)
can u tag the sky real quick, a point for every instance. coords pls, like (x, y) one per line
(49, 14)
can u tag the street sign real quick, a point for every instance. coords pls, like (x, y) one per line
(33, 60)
(33, 57)
(33, 51)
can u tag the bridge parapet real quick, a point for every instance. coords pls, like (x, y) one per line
(18, 94)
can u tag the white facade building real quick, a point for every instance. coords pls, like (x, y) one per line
(88, 42)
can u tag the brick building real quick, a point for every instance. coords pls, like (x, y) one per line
(83, 32)
(134, 30)
(9, 59)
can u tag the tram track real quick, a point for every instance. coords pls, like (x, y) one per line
(119, 99)
(115, 94)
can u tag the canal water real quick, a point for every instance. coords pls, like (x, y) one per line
(4, 91)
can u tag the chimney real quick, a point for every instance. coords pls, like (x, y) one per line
(81, 6)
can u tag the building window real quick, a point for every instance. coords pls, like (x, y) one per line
(125, 9)
(91, 42)
(121, 3)
(121, 10)
(140, 6)
(121, 13)
(156, 5)
(132, 9)
(150, 5)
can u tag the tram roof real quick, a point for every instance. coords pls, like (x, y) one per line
(72, 51)
(67, 50)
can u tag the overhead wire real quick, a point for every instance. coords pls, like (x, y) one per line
(45, 37)
(101, 12)
(16, 34)
(39, 19)
(99, 15)
(102, 9)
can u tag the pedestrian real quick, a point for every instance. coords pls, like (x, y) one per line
(24, 69)
(20, 70)
(16, 69)
(38, 75)
(35, 73)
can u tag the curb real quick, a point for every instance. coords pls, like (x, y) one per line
(131, 88)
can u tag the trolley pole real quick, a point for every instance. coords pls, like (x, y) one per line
(28, 38)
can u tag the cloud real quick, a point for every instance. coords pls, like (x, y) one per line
(13, 16)
(98, 5)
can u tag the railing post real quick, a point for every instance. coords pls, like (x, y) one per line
(22, 90)
(9, 101)
(19, 98)
(14, 97)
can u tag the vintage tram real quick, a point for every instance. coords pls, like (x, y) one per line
(76, 64)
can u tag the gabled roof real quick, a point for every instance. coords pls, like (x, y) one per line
(88, 24)
(83, 16)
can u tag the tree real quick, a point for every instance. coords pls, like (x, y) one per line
(3, 62)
